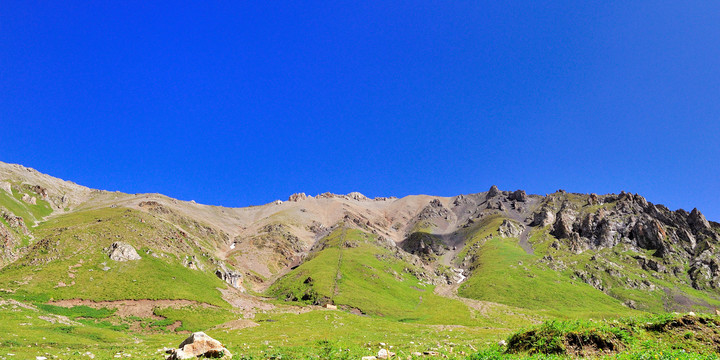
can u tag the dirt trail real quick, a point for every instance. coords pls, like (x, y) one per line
(139, 308)
(450, 291)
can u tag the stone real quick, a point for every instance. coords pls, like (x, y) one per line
(431, 353)
(297, 197)
(120, 251)
(277, 202)
(197, 345)
(4, 185)
(563, 227)
(593, 199)
(510, 229)
(697, 221)
(40, 191)
(502, 343)
(357, 196)
(369, 358)
(385, 354)
(331, 306)
(493, 192)
(231, 277)
(518, 195)
(29, 199)
(544, 217)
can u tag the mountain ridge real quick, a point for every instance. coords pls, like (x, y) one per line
(610, 242)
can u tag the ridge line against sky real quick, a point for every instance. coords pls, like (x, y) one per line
(315, 195)
(241, 104)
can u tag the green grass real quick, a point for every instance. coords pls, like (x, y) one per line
(370, 278)
(506, 274)
(660, 336)
(71, 249)
(196, 318)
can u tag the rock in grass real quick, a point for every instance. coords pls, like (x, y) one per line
(199, 345)
(120, 251)
(385, 354)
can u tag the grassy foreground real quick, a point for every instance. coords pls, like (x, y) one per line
(81, 332)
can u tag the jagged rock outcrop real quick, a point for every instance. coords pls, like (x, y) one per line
(120, 251)
(29, 199)
(493, 192)
(434, 209)
(15, 222)
(563, 227)
(357, 196)
(424, 245)
(154, 207)
(297, 197)
(544, 217)
(629, 219)
(510, 229)
(231, 277)
(43, 192)
(697, 221)
(199, 345)
(518, 195)
(6, 186)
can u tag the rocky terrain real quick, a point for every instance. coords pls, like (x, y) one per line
(104, 262)
(611, 242)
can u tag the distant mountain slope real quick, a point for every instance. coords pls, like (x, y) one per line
(561, 254)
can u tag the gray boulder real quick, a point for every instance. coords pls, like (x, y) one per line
(697, 221)
(494, 191)
(297, 197)
(510, 229)
(518, 195)
(120, 251)
(199, 345)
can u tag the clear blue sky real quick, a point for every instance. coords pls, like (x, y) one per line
(239, 103)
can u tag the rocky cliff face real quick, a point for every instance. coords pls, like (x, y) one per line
(674, 237)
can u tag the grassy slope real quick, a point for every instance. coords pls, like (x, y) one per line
(505, 273)
(368, 277)
(30, 213)
(77, 240)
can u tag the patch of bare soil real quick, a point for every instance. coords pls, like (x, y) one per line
(248, 304)
(139, 308)
(237, 324)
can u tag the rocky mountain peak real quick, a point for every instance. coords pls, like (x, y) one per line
(493, 192)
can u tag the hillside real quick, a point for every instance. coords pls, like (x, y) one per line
(484, 264)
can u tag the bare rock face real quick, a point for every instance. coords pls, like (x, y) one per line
(493, 192)
(29, 199)
(357, 196)
(231, 277)
(297, 197)
(593, 199)
(510, 229)
(199, 345)
(4, 185)
(40, 191)
(697, 221)
(15, 222)
(518, 195)
(563, 227)
(120, 251)
(544, 217)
